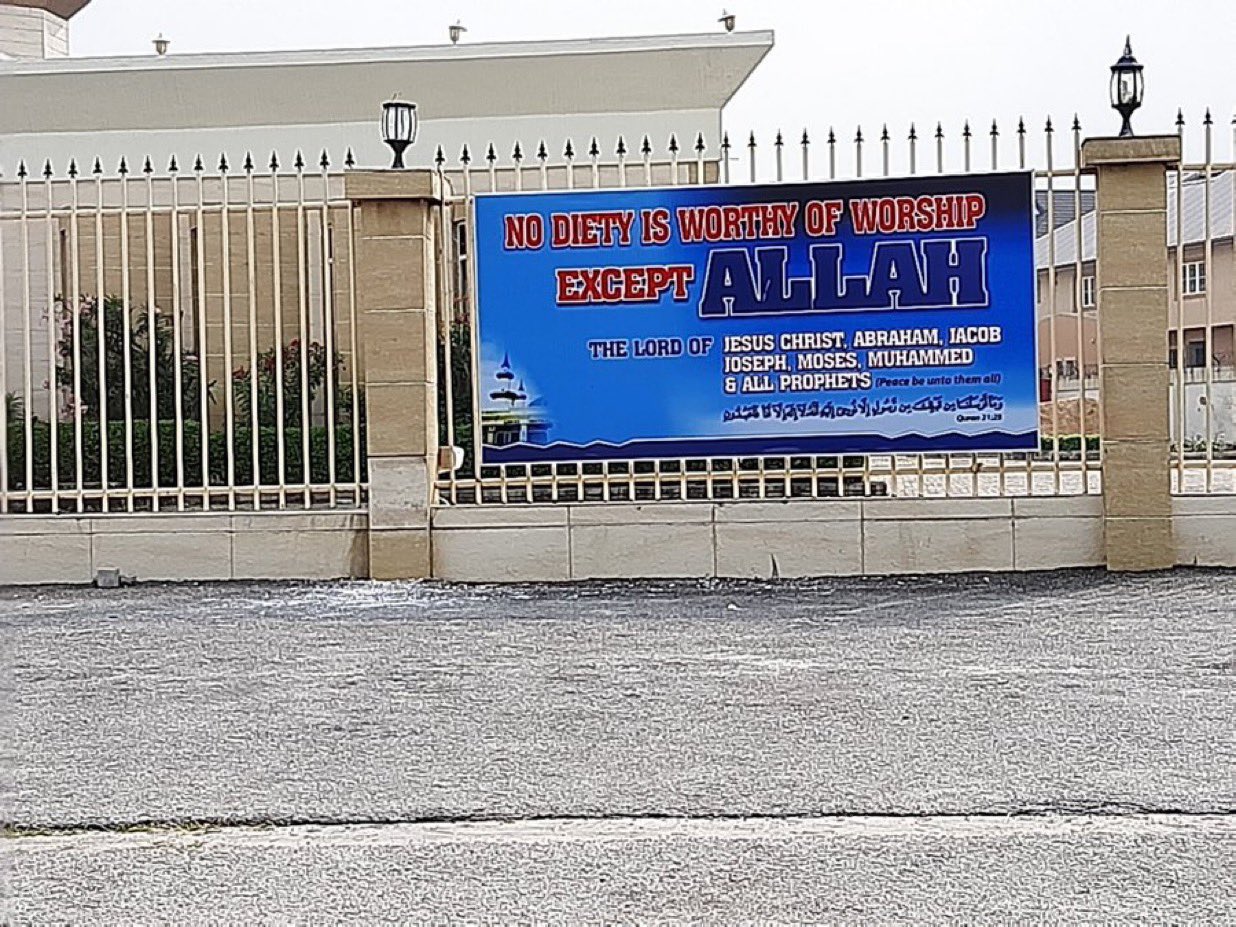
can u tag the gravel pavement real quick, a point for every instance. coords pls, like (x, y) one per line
(1084, 722)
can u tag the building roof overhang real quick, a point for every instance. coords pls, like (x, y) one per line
(658, 73)
(65, 9)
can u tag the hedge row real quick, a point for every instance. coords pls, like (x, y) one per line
(118, 444)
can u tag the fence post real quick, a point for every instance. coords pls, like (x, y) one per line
(395, 285)
(1133, 279)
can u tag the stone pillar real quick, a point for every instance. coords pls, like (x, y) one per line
(1133, 279)
(395, 293)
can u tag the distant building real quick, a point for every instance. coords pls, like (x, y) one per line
(1205, 293)
(56, 108)
(36, 28)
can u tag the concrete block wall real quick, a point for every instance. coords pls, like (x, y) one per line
(765, 539)
(37, 550)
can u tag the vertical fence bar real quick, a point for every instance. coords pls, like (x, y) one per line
(1078, 308)
(1207, 289)
(328, 329)
(203, 377)
(152, 330)
(100, 313)
(700, 148)
(474, 361)
(229, 384)
(806, 146)
(126, 322)
(302, 290)
(53, 388)
(276, 257)
(1178, 289)
(255, 424)
(27, 350)
(1054, 377)
(178, 411)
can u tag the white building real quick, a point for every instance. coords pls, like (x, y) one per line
(55, 108)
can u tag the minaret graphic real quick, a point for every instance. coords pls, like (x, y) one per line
(518, 419)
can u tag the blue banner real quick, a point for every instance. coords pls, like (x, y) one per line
(864, 317)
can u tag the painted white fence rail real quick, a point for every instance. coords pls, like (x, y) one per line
(178, 339)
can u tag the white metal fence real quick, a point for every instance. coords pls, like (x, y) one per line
(178, 339)
(1069, 461)
(1201, 226)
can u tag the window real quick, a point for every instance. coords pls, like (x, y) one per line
(1193, 282)
(1087, 292)
(1196, 354)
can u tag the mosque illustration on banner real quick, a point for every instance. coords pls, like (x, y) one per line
(512, 418)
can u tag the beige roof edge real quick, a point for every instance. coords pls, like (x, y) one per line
(761, 38)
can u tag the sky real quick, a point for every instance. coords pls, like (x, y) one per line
(836, 63)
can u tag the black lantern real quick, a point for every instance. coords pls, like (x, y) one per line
(398, 128)
(1127, 87)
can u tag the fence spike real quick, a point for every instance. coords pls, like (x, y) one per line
(1076, 123)
(725, 143)
(198, 165)
(965, 129)
(1180, 120)
(939, 130)
(541, 152)
(47, 169)
(778, 141)
(751, 141)
(349, 159)
(98, 166)
(147, 167)
(223, 166)
(646, 148)
(621, 150)
(569, 151)
(805, 140)
(248, 162)
(995, 130)
(858, 136)
(439, 158)
(274, 161)
(324, 161)
(124, 166)
(832, 136)
(518, 154)
(491, 156)
(465, 156)
(673, 144)
(594, 151)
(913, 133)
(173, 167)
(21, 170)
(73, 168)
(1207, 121)
(884, 136)
(299, 163)
(1048, 129)
(699, 143)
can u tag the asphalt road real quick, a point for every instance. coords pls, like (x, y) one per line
(1044, 748)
